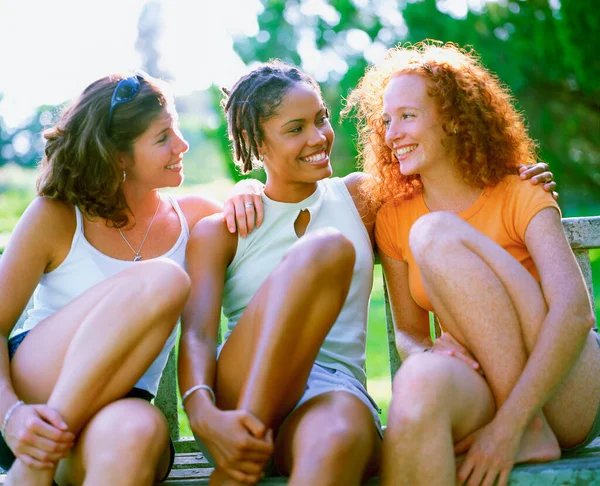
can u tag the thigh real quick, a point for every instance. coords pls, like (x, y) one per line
(125, 427)
(575, 406)
(327, 415)
(238, 352)
(36, 364)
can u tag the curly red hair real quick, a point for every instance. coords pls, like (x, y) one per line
(491, 139)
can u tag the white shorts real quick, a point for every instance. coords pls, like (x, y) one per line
(324, 380)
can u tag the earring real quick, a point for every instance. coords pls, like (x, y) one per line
(124, 175)
(261, 157)
(455, 131)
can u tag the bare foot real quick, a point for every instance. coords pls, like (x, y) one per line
(21, 475)
(539, 443)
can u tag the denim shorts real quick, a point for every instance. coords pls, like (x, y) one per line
(595, 432)
(7, 457)
(322, 380)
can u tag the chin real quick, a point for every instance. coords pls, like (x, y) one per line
(326, 172)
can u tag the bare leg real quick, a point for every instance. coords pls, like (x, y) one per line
(496, 308)
(330, 440)
(286, 322)
(126, 443)
(436, 400)
(97, 346)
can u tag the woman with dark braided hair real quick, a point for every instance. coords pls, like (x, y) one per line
(290, 376)
(103, 253)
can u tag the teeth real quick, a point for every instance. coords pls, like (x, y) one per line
(178, 164)
(316, 158)
(405, 150)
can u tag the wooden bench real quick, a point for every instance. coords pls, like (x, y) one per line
(191, 469)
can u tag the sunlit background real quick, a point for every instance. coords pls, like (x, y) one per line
(545, 50)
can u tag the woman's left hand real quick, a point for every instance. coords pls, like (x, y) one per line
(492, 451)
(244, 208)
(539, 174)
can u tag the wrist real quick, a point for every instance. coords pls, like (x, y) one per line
(9, 413)
(515, 419)
(202, 419)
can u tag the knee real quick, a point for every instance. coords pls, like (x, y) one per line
(344, 441)
(418, 392)
(325, 254)
(133, 437)
(433, 230)
(163, 285)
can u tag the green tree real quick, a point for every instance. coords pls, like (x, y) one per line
(534, 46)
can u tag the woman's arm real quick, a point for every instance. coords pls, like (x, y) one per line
(231, 436)
(39, 242)
(567, 323)
(367, 211)
(411, 322)
(209, 251)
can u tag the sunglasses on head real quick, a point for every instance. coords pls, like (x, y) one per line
(125, 91)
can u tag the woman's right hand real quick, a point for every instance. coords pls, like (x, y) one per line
(243, 208)
(446, 344)
(38, 436)
(240, 444)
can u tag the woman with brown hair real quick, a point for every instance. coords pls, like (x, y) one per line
(102, 252)
(459, 236)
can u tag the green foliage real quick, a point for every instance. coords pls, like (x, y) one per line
(535, 47)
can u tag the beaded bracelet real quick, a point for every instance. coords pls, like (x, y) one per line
(8, 415)
(186, 395)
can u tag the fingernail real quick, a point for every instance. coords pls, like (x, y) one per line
(522, 175)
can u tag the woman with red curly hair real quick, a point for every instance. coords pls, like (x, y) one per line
(488, 255)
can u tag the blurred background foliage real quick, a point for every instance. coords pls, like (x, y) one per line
(545, 50)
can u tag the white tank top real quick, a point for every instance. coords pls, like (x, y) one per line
(331, 205)
(84, 267)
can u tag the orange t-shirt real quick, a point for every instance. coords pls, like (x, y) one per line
(502, 213)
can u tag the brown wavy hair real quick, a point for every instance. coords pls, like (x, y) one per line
(490, 140)
(81, 164)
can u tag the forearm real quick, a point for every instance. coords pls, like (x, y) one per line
(408, 343)
(8, 397)
(558, 346)
(197, 366)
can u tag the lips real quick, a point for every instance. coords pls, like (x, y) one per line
(176, 166)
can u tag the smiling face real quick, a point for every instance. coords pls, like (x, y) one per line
(158, 154)
(414, 131)
(297, 139)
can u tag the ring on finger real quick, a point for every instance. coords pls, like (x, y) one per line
(249, 205)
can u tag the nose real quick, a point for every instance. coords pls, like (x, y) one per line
(317, 136)
(393, 132)
(182, 146)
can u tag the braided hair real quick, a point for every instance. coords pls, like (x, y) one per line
(255, 98)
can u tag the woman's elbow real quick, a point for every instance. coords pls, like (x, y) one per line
(583, 316)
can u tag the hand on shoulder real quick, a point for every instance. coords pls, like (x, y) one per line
(196, 207)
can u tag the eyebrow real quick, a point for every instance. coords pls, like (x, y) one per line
(296, 120)
(407, 107)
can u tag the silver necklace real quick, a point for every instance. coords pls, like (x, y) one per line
(138, 257)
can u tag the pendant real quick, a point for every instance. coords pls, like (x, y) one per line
(137, 258)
